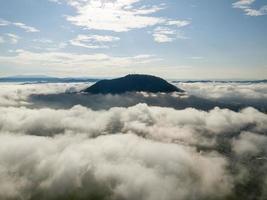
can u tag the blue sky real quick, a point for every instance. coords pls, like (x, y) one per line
(184, 39)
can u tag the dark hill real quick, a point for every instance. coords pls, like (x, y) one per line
(132, 83)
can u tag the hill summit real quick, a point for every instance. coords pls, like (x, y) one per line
(132, 83)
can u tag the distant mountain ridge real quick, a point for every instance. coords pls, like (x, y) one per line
(51, 79)
(221, 81)
(132, 83)
(45, 79)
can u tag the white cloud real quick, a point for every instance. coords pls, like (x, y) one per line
(48, 45)
(43, 40)
(84, 153)
(248, 94)
(10, 38)
(254, 12)
(4, 22)
(93, 41)
(246, 6)
(21, 25)
(167, 34)
(55, 1)
(227, 91)
(13, 38)
(118, 16)
(25, 27)
(250, 143)
(18, 94)
(62, 59)
(189, 127)
(122, 16)
(178, 23)
(243, 3)
(163, 34)
(170, 31)
(121, 166)
(196, 58)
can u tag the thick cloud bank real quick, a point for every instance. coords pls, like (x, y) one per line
(248, 94)
(204, 96)
(17, 94)
(108, 167)
(139, 152)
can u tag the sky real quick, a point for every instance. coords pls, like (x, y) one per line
(181, 39)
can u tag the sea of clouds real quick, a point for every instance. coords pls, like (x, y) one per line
(59, 144)
(249, 94)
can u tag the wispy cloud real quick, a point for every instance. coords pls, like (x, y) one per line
(25, 27)
(13, 38)
(163, 34)
(170, 31)
(21, 25)
(62, 59)
(9, 38)
(55, 1)
(196, 58)
(93, 41)
(246, 6)
(1, 40)
(4, 22)
(43, 40)
(242, 4)
(178, 23)
(48, 45)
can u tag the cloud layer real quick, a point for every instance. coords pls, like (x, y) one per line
(123, 153)
(249, 94)
(60, 59)
(139, 152)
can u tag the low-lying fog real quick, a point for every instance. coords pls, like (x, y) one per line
(59, 144)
